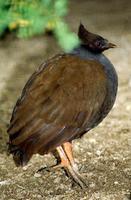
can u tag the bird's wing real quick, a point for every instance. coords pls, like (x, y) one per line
(58, 102)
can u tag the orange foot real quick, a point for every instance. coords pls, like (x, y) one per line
(67, 161)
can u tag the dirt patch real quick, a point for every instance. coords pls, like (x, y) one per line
(104, 154)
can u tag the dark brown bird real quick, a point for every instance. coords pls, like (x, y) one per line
(65, 97)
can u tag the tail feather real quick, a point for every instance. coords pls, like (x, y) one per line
(19, 156)
(42, 141)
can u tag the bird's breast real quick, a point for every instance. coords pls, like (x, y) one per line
(111, 84)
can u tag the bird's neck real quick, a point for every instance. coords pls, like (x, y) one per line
(85, 53)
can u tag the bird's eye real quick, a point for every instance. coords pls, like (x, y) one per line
(97, 43)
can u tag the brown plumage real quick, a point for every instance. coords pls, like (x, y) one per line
(66, 97)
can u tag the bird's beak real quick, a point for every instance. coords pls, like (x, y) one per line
(108, 45)
(111, 45)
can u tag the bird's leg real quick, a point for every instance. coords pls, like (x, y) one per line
(67, 161)
(68, 150)
(64, 162)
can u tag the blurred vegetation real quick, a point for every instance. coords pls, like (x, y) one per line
(32, 17)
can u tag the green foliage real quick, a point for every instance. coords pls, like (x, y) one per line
(32, 17)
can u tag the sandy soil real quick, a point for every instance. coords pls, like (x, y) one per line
(104, 154)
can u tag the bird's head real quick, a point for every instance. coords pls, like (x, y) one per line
(93, 42)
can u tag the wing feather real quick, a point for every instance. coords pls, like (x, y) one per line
(57, 103)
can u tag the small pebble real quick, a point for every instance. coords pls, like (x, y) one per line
(92, 185)
(116, 182)
(6, 182)
(37, 175)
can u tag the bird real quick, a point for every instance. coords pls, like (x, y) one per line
(67, 96)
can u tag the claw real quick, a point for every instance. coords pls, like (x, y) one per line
(49, 168)
(77, 177)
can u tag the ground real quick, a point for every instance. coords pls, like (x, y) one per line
(103, 154)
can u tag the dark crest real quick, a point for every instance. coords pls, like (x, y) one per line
(93, 42)
(82, 32)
